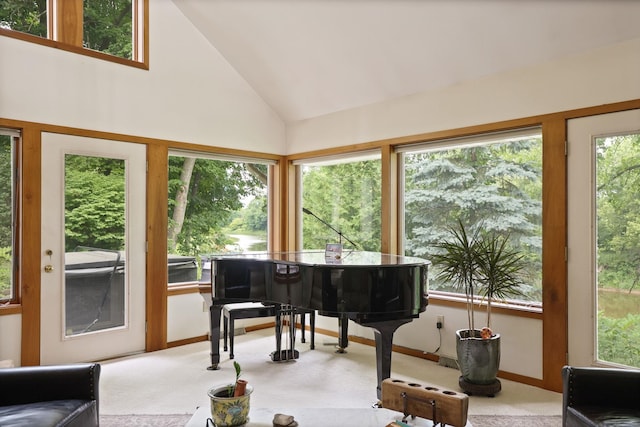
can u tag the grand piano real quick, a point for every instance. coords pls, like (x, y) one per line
(380, 291)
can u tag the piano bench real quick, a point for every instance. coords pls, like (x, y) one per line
(250, 310)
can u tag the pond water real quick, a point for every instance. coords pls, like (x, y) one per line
(246, 242)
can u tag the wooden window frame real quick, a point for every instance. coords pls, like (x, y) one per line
(14, 301)
(65, 22)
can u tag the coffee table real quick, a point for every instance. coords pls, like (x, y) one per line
(318, 417)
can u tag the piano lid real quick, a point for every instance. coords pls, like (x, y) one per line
(317, 258)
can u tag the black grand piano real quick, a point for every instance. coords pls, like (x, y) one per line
(381, 291)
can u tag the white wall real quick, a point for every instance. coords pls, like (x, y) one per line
(187, 317)
(189, 94)
(599, 77)
(10, 333)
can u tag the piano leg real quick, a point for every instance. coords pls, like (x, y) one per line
(343, 334)
(214, 327)
(383, 332)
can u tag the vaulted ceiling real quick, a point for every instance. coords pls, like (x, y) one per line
(308, 58)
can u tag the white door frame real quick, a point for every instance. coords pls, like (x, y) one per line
(55, 346)
(581, 229)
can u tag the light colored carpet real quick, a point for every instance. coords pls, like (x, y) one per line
(476, 421)
(175, 381)
(143, 420)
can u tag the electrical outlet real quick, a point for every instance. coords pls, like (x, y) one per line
(440, 322)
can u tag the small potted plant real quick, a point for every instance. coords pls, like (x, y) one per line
(481, 264)
(230, 402)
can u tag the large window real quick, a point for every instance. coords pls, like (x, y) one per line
(341, 200)
(490, 181)
(216, 205)
(111, 27)
(8, 214)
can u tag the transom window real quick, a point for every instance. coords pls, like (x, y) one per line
(112, 28)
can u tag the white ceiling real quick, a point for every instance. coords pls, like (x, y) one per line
(307, 58)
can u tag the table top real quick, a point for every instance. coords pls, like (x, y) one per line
(319, 417)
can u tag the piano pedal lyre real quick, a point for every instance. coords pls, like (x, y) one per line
(289, 353)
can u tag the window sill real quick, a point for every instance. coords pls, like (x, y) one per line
(70, 48)
(183, 288)
(7, 309)
(533, 310)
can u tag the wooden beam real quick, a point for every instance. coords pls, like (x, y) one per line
(29, 271)
(69, 18)
(157, 223)
(554, 237)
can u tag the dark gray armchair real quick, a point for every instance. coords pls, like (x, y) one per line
(600, 397)
(61, 395)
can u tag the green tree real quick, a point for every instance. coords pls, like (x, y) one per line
(94, 202)
(6, 217)
(618, 204)
(27, 16)
(107, 24)
(255, 215)
(495, 187)
(348, 197)
(214, 191)
(6, 191)
(108, 27)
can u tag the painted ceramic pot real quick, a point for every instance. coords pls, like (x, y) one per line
(229, 411)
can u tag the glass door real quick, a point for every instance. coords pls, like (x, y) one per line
(604, 239)
(93, 248)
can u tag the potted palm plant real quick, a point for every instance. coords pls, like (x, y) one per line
(481, 264)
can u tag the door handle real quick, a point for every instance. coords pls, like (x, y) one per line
(48, 268)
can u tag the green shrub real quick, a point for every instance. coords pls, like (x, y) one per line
(5, 273)
(619, 339)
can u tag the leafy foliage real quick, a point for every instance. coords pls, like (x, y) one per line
(27, 16)
(496, 187)
(479, 263)
(618, 339)
(347, 196)
(252, 218)
(6, 217)
(5, 273)
(216, 193)
(6, 191)
(459, 263)
(107, 24)
(618, 204)
(94, 202)
(108, 27)
(618, 246)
